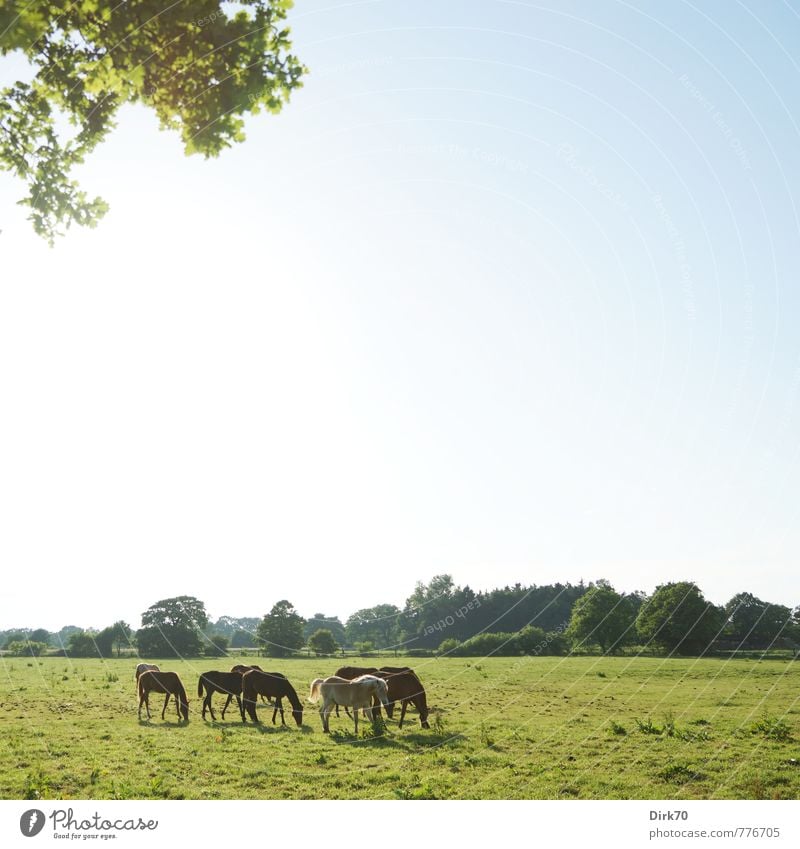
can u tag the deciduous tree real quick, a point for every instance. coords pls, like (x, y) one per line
(200, 66)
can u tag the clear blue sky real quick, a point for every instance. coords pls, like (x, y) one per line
(509, 291)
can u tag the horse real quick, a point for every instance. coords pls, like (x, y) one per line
(145, 667)
(240, 667)
(256, 682)
(357, 693)
(404, 687)
(351, 672)
(155, 681)
(229, 683)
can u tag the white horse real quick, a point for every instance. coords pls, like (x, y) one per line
(356, 694)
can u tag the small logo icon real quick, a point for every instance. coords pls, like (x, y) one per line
(31, 822)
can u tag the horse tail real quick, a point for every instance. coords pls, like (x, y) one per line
(315, 691)
(200, 687)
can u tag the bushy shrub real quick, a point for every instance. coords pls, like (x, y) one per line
(448, 646)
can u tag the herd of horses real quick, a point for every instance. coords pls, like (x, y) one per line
(358, 689)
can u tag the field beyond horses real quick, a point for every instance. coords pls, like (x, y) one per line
(533, 728)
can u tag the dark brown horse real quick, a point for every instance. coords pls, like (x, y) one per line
(228, 683)
(145, 667)
(240, 667)
(404, 687)
(257, 683)
(154, 681)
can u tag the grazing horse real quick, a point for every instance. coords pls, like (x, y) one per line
(257, 683)
(155, 681)
(404, 687)
(351, 672)
(145, 667)
(240, 667)
(357, 694)
(229, 683)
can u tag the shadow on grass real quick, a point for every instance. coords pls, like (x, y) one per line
(430, 739)
(255, 728)
(164, 723)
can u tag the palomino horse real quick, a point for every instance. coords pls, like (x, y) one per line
(257, 683)
(154, 681)
(404, 686)
(357, 694)
(228, 683)
(145, 667)
(351, 672)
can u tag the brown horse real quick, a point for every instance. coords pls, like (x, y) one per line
(257, 683)
(406, 688)
(154, 681)
(145, 667)
(228, 683)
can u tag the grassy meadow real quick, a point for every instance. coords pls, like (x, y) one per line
(532, 728)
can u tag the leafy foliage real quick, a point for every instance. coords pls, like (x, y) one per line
(331, 623)
(281, 630)
(322, 642)
(604, 617)
(678, 617)
(379, 625)
(753, 623)
(171, 628)
(33, 648)
(200, 68)
(83, 644)
(217, 646)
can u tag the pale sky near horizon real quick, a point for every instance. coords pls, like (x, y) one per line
(508, 291)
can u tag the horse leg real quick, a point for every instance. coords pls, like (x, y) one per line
(144, 700)
(403, 708)
(241, 708)
(250, 707)
(228, 703)
(325, 717)
(166, 702)
(355, 718)
(178, 707)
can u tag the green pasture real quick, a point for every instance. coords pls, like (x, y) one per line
(533, 728)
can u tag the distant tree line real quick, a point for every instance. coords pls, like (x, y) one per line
(448, 619)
